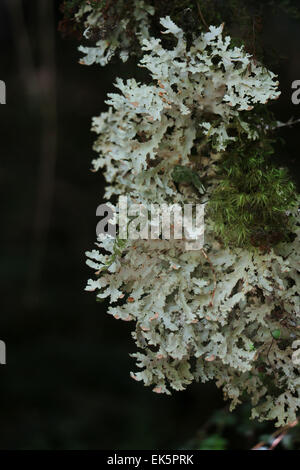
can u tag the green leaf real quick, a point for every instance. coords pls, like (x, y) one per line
(214, 442)
(276, 334)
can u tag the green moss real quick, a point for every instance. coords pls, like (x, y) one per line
(250, 203)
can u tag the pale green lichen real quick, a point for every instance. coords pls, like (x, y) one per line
(208, 314)
(119, 40)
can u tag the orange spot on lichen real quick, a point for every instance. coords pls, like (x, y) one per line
(210, 358)
(154, 317)
(129, 318)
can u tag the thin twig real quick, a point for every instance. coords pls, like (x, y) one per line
(278, 436)
(270, 347)
(201, 15)
(254, 39)
(289, 123)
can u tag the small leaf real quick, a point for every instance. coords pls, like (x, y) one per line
(276, 334)
(214, 442)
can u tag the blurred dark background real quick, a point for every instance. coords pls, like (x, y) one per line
(66, 384)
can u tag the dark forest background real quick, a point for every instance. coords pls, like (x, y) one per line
(66, 384)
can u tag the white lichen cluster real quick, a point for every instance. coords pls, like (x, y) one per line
(228, 315)
(118, 41)
(197, 93)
